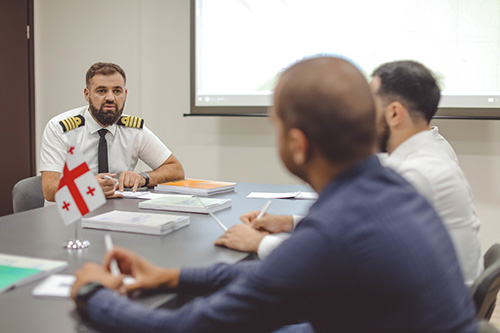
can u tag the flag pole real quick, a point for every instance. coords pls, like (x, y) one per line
(76, 244)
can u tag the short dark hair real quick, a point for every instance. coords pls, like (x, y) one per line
(410, 83)
(329, 100)
(104, 68)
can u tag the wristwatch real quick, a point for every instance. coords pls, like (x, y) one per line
(145, 176)
(83, 295)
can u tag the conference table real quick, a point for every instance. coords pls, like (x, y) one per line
(40, 233)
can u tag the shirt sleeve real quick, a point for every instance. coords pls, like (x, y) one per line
(296, 220)
(153, 152)
(54, 149)
(271, 242)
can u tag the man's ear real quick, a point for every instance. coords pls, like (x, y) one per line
(298, 145)
(395, 114)
(86, 93)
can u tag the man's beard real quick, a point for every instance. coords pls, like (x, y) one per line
(106, 118)
(383, 136)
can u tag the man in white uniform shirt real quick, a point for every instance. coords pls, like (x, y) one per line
(111, 144)
(407, 97)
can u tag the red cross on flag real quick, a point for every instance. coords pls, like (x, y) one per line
(78, 192)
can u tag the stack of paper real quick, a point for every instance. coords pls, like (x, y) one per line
(186, 204)
(16, 271)
(133, 195)
(196, 187)
(142, 223)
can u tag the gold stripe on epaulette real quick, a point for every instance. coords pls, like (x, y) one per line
(131, 121)
(71, 123)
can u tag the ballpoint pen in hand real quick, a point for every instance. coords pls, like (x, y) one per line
(113, 266)
(264, 209)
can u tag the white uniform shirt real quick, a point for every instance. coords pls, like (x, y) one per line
(125, 145)
(427, 161)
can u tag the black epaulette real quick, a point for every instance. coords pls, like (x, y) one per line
(71, 123)
(131, 121)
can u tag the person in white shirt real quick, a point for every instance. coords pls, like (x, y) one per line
(407, 97)
(100, 126)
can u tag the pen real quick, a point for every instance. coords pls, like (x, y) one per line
(264, 209)
(223, 227)
(109, 177)
(113, 266)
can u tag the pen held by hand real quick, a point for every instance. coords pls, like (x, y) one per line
(113, 266)
(264, 209)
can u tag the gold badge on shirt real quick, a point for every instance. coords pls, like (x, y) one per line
(131, 121)
(71, 123)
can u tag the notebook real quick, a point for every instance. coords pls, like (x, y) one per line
(142, 223)
(17, 271)
(186, 204)
(196, 187)
(58, 286)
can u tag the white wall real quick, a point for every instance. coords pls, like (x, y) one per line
(477, 144)
(150, 40)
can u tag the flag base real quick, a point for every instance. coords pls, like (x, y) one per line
(76, 244)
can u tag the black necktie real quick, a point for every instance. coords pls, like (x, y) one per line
(102, 153)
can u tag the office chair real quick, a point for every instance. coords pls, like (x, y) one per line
(486, 287)
(485, 327)
(491, 255)
(27, 194)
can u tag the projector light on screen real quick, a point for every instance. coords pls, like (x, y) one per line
(240, 47)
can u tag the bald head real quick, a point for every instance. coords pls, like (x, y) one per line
(330, 101)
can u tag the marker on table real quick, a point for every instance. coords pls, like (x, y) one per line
(264, 209)
(113, 266)
(223, 227)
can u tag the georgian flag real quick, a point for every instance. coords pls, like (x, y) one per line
(78, 192)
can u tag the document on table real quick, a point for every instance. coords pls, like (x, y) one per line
(284, 195)
(17, 271)
(55, 286)
(147, 195)
(133, 195)
(151, 196)
(59, 286)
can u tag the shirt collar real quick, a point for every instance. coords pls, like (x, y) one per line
(94, 126)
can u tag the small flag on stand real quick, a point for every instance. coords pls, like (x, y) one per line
(78, 192)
